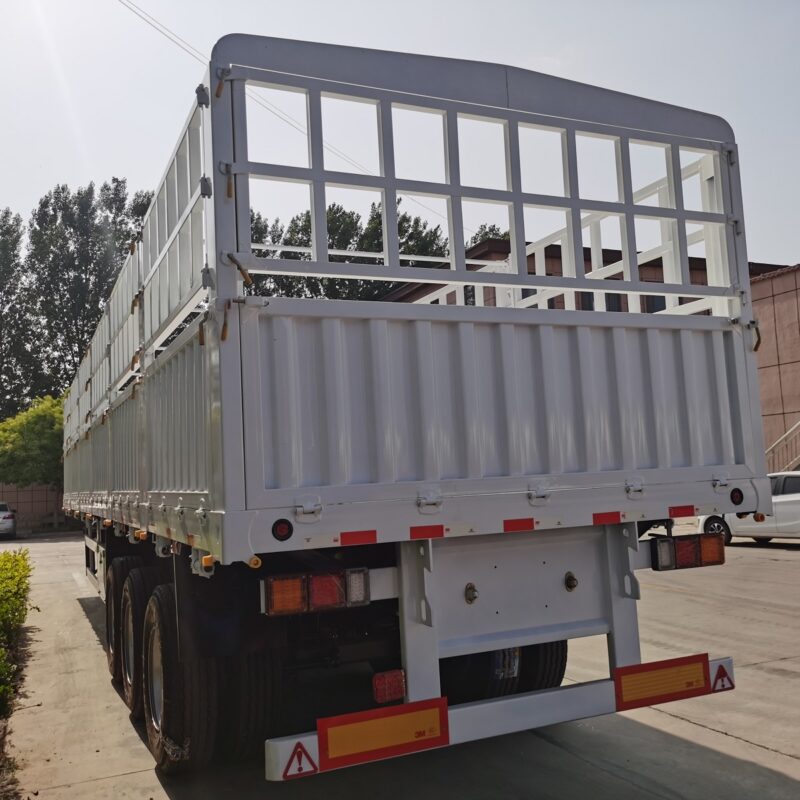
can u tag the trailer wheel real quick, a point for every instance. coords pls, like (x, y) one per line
(179, 692)
(136, 592)
(479, 676)
(116, 574)
(250, 688)
(542, 666)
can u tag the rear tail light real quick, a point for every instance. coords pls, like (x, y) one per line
(684, 552)
(296, 594)
(286, 594)
(687, 552)
(389, 686)
(712, 550)
(325, 591)
(8, 516)
(759, 517)
(357, 587)
(663, 553)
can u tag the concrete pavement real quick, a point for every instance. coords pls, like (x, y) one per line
(72, 736)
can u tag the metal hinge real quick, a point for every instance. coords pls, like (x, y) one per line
(203, 98)
(634, 488)
(730, 154)
(538, 495)
(308, 509)
(207, 277)
(205, 187)
(737, 225)
(429, 501)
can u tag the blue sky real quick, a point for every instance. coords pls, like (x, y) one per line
(90, 91)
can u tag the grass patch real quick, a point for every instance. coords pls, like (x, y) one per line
(15, 573)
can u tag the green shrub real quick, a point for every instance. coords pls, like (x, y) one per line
(15, 572)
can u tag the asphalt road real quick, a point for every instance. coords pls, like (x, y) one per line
(72, 737)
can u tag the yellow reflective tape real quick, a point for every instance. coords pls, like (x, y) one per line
(375, 734)
(668, 680)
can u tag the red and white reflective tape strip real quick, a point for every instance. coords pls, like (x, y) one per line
(358, 537)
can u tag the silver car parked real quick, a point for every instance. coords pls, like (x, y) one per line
(8, 522)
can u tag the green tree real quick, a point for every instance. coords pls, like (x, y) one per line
(30, 444)
(346, 231)
(487, 231)
(77, 243)
(19, 369)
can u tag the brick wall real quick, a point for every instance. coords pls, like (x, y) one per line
(777, 309)
(36, 506)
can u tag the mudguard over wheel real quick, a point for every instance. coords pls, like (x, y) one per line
(179, 693)
(116, 575)
(542, 666)
(135, 594)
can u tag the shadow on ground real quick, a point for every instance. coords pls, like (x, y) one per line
(613, 758)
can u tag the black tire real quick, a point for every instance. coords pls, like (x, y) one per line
(136, 592)
(718, 525)
(116, 575)
(180, 709)
(762, 539)
(479, 676)
(542, 666)
(250, 688)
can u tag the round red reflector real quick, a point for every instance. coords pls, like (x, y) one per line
(282, 529)
(737, 497)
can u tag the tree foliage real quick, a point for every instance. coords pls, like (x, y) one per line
(30, 444)
(346, 231)
(487, 231)
(76, 245)
(19, 370)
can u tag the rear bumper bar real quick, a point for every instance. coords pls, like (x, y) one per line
(431, 724)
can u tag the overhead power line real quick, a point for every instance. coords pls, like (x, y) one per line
(202, 58)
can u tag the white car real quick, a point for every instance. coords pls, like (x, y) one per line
(8, 522)
(784, 523)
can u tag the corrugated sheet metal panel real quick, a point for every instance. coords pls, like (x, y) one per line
(367, 401)
(124, 446)
(176, 397)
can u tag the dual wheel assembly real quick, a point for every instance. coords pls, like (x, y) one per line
(195, 708)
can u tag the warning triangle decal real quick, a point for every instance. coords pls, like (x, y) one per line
(300, 763)
(722, 681)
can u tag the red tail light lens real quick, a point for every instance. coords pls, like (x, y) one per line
(389, 686)
(8, 516)
(683, 552)
(687, 552)
(326, 591)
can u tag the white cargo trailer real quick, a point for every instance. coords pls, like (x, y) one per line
(280, 490)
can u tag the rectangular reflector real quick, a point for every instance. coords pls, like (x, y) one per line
(326, 591)
(687, 552)
(661, 681)
(662, 553)
(676, 512)
(357, 586)
(519, 525)
(712, 549)
(389, 686)
(382, 733)
(286, 594)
